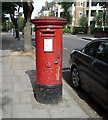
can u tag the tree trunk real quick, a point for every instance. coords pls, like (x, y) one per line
(17, 31)
(27, 9)
(27, 37)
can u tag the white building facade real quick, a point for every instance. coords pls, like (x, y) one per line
(77, 10)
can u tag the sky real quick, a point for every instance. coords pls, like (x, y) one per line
(37, 6)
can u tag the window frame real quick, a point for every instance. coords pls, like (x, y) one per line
(89, 47)
(96, 55)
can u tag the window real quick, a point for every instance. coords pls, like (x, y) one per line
(102, 3)
(94, 4)
(87, 4)
(101, 49)
(81, 3)
(102, 52)
(87, 13)
(93, 12)
(92, 49)
(80, 14)
(98, 50)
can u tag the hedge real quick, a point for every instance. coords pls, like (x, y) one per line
(99, 29)
(80, 30)
(93, 30)
(100, 32)
(67, 30)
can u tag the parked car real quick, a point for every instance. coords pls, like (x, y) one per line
(89, 69)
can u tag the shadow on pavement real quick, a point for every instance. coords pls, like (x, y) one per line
(83, 95)
(9, 42)
(32, 76)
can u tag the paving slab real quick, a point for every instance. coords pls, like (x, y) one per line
(20, 72)
(41, 113)
(26, 111)
(22, 63)
(7, 73)
(25, 97)
(9, 78)
(13, 97)
(22, 79)
(66, 113)
(21, 111)
(6, 53)
(19, 87)
(7, 87)
(6, 110)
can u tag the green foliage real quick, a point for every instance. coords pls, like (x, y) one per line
(98, 18)
(66, 13)
(106, 29)
(7, 25)
(80, 30)
(83, 21)
(10, 8)
(99, 30)
(4, 26)
(10, 25)
(21, 23)
(92, 30)
(67, 30)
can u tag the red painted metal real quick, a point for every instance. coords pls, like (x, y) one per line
(49, 50)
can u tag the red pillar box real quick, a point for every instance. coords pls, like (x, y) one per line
(48, 82)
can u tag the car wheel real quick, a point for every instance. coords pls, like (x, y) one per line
(75, 78)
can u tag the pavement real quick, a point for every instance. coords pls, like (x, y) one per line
(18, 77)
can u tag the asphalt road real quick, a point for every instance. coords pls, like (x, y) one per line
(92, 108)
(71, 42)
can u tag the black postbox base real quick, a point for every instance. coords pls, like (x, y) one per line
(48, 94)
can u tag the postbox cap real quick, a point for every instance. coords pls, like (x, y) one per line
(49, 21)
